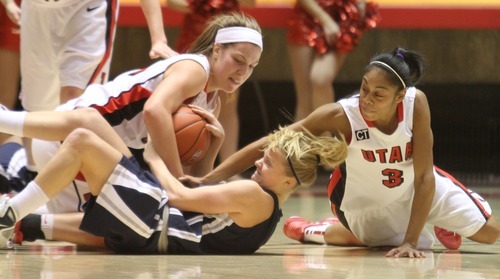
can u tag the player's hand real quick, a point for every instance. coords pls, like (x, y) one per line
(405, 250)
(161, 50)
(332, 32)
(213, 124)
(190, 181)
(13, 12)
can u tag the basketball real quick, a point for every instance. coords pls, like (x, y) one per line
(191, 135)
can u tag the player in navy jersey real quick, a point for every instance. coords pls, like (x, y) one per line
(388, 188)
(135, 211)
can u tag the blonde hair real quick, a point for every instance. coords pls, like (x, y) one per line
(306, 152)
(205, 42)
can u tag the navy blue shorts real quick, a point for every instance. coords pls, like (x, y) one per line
(128, 210)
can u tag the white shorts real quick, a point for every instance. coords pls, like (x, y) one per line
(64, 43)
(454, 208)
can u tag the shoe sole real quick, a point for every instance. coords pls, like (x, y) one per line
(5, 239)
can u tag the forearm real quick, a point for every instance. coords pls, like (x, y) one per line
(159, 123)
(237, 163)
(152, 13)
(421, 206)
(168, 182)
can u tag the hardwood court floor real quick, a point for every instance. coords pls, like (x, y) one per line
(280, 258)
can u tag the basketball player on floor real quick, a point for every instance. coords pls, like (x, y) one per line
(239, 217)
(388, 188)
(142, 101)
(67, 45)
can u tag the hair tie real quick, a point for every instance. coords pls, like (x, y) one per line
(239, 34)
(400, 55)
(293, 170)
(391, 69)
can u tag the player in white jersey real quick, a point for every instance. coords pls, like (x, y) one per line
(388, 188)
(67, 45)
(143, 101)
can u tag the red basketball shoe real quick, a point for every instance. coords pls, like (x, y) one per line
(17, 237)
(449, 239)
(329, 220)
(295, 227)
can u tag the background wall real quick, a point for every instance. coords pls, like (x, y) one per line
(464, 56)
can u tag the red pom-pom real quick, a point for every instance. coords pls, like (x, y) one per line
(345, 12)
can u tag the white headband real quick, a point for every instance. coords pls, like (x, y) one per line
(238, 35)
(390, 68)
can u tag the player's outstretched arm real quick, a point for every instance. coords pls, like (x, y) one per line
(159, 44)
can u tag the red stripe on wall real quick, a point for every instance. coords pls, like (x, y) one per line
(392, 17)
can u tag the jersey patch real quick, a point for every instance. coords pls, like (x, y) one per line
(362, 134)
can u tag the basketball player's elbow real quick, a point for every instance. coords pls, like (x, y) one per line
(151, 112)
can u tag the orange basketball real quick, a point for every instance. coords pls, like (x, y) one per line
(192, 136)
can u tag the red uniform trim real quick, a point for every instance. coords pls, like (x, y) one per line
(465, 189)
(110, 35)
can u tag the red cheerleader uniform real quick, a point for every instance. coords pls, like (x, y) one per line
(9, 32)
(306, 30)
(195, 22)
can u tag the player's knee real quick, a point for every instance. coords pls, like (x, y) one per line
(489, 233)
(79, 140)
(85, 118)
(494, 235)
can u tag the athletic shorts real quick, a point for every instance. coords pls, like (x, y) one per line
(454, 208)
(128, 210)
(64, 43)
(184, 228)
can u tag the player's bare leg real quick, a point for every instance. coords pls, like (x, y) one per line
(67, 228)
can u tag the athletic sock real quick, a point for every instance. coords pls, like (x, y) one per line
(28, 200)
(31, 227)
(315, 233)
(12, 122)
